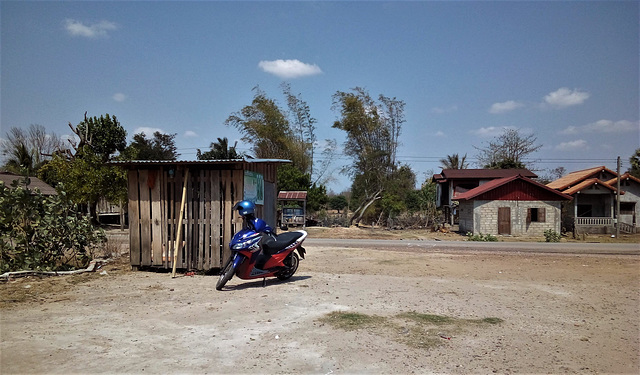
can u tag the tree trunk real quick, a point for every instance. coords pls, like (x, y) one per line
(358, 213)
(93, 211)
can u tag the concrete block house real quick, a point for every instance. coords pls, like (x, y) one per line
(594, 192)
(629, 202)
(512, 206)
(452, 182)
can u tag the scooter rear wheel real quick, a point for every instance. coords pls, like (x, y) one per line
(226, 274)
(291, 262)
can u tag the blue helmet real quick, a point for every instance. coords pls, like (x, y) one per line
(245, 208)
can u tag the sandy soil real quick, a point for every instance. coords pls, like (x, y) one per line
(559, 314)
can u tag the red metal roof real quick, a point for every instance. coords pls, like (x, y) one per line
(482, 173)
(520, 188)
(293, 195)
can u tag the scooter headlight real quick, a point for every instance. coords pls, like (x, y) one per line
(246, 244)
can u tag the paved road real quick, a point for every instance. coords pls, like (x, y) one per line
(532, 247)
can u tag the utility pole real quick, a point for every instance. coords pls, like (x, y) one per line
(618, 201)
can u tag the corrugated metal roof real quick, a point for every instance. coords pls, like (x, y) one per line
(292, 195)
(35, 182)
(484, 173)
(493, 184)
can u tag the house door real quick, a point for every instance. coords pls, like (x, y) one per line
(504, 220)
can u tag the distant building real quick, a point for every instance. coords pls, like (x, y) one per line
(34, 183)
(515, 205)
(452, 182)
(594, 192)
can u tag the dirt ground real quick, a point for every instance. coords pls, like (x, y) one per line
(347, 310)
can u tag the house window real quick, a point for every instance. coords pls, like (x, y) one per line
(536, 215)
(627, 208)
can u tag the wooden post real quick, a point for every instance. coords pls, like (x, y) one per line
(178, 244)
(618, 200)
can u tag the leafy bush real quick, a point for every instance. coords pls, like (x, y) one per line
(481, 237)
(552, 236)
(43, 233)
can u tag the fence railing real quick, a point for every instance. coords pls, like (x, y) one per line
(591, 221)
(603, 222)
(627, 228)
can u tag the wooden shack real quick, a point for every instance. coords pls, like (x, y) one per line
(208, 221)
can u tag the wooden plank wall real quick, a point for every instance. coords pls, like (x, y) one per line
(209, 220)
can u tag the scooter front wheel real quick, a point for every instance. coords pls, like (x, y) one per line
(226, 274)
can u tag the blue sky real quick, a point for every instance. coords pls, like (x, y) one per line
(568, 72)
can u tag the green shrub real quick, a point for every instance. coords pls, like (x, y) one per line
(552, 236)
(481, 237)
(44, 233)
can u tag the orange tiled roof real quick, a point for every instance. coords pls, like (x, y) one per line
(585, 184)
(577, 177)
(625, 176)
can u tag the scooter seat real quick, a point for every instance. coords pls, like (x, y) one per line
(273, 245)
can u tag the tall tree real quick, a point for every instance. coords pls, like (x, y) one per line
(104, 136)
(286, 134)
(161, 147)
(634, 160)
(220, 150)
(302, 124)
(393, 118)
(454, 162)
(22, 161)
(84, 175)
(507, 150)
(371, 143)
(27, 150)
(400, 185)
(266, 127)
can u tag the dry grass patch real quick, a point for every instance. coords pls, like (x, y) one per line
(413, 329)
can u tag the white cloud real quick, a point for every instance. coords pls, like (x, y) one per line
(570, 130)
(564, 97)
(289, 68)
(148, 131)
(608, 126)
(491, 131)
(440, 133)
(98, 29)
(119, 97)
(503, 107)
(190, 134)
(579, 144)
(604, 126)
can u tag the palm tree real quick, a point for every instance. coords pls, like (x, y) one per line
(220, 151)
(454, 162)
(22, 160)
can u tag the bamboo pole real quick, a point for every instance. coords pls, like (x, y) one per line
(179, 234)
